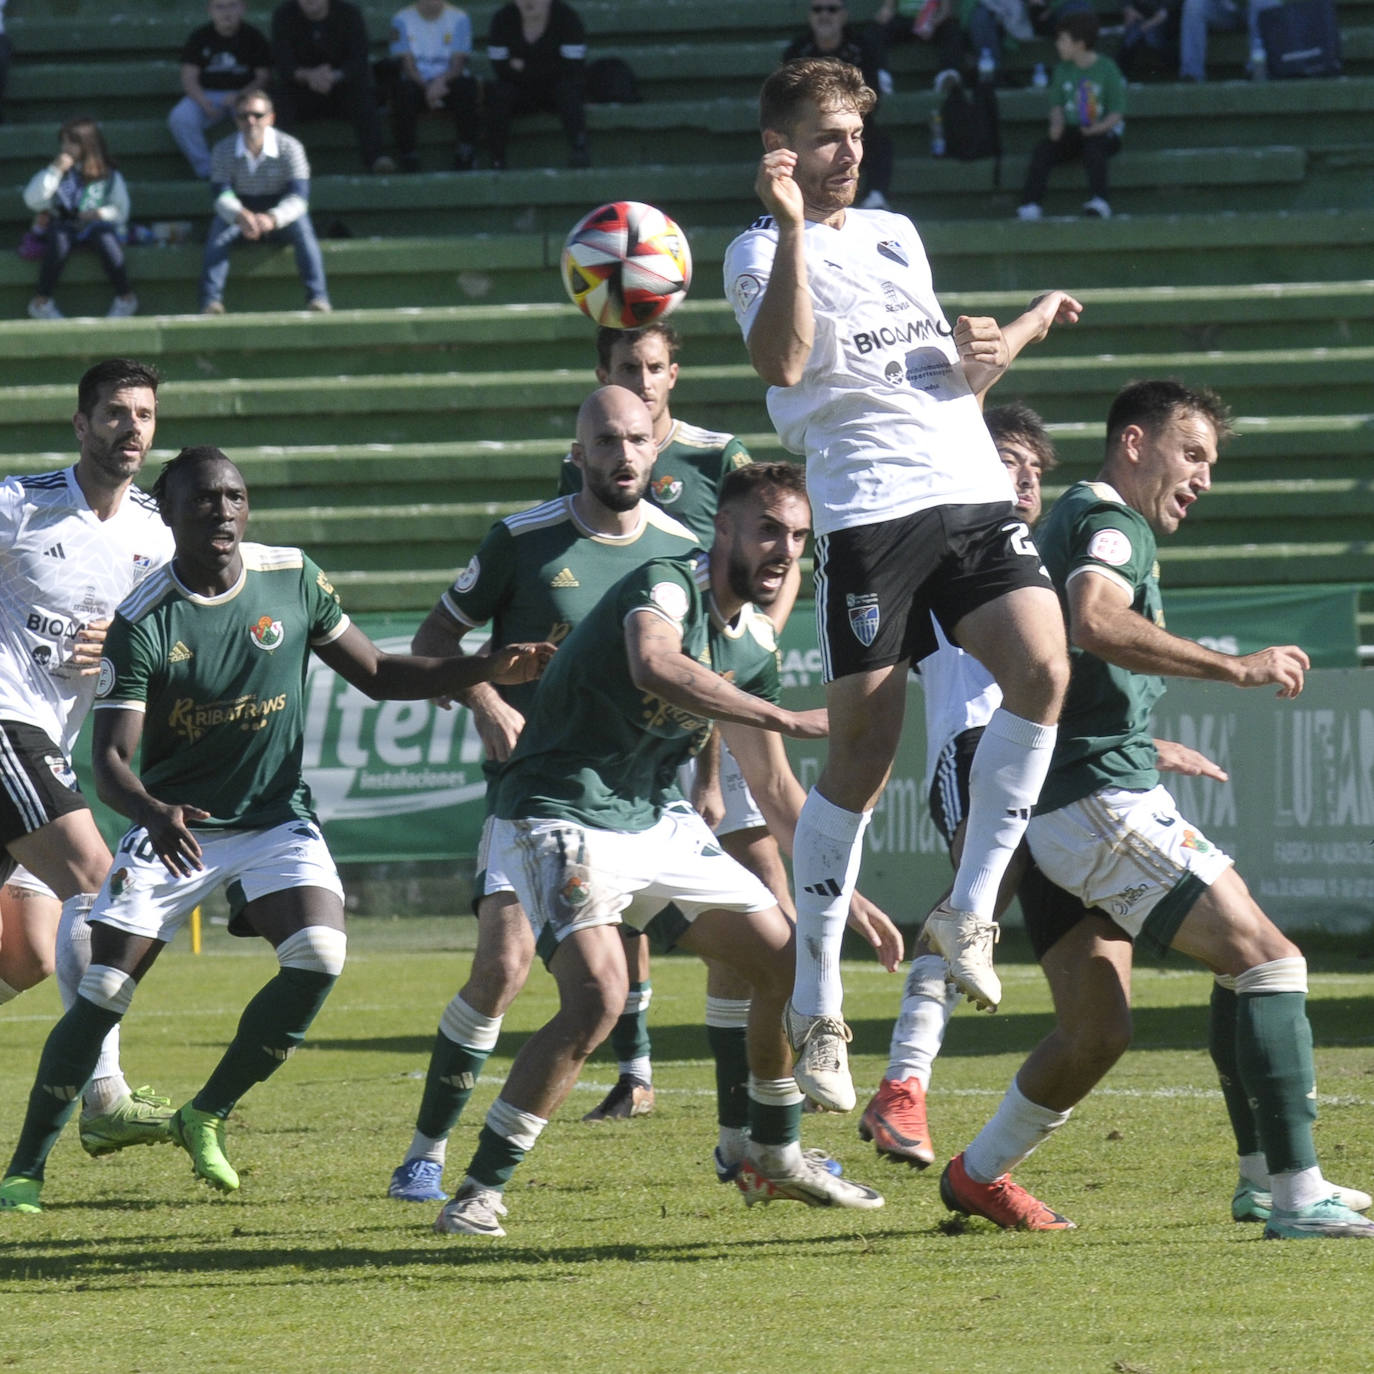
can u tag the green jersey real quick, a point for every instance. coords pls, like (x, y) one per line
(1089, 94)
(688, 471)
(1104, 729)
(539, 572)
(221, 684)
(598, 750)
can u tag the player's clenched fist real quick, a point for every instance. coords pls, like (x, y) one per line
(776, 188)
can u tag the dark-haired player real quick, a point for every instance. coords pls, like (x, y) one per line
(204, 667)
(73, 544)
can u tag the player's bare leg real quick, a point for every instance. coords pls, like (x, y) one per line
(633, 1092)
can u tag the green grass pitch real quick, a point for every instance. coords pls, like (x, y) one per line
(623, 1252)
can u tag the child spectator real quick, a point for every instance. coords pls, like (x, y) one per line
(1087, 116)
(219, 60)
(431, 43)
(88, 204)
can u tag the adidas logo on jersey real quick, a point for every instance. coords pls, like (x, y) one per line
(180, 653)
(55, 552)
(565, 578)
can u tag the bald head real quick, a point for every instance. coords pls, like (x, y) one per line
(615, 447)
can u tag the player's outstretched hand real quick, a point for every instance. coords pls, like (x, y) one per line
(1054, 307)
(519, 662)
(776, 188)
(86, 647)
(1284, 664)
(168, 828)
(1172, 757)
(813, 724)
(873, 924)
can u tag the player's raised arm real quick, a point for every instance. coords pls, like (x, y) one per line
(405, 677)
(784, 329)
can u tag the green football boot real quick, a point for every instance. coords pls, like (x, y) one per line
(201, 1135)
(20, 1194)
(140, 1117)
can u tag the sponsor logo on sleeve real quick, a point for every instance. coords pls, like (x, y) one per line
(671, 598)
(467, 579)
(745, 290)
(104, 683)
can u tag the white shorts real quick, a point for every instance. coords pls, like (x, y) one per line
(1124, 852)
(569, 877)
(741, 810)
(21, 877)
(140, 897)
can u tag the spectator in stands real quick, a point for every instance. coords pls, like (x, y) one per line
(323, 71)
(219, 60)
(87, 202)
(261, 181)
(1147, 35)
(431, 42)
(830, 34)
(1197, 17)
(932, 21)
(1087, 116)
(538, 51)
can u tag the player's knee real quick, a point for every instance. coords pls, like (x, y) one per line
(23, 968)
(314, 949)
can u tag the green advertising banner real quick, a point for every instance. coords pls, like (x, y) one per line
(400, 781)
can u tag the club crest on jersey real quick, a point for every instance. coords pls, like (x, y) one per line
(119, 882)
(267, 634)
(864, 617)
(890, 248)
(142, 563)
(577, 891)
(61, 769)
(667, 490)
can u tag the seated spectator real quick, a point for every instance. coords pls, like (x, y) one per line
(830, 34)
(261, 181)
(1087, 116)
(322, 70)
(87, 204)
(431, 43)
(1199, 16)
(538, 51)
(1147, 35)
(931, 21)
(219, 60)
(975, 35)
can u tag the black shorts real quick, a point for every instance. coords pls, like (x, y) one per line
(1049, 911)
(949, 783)
(37, 784)
(878, 585)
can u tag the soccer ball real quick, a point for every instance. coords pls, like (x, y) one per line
(626, 264)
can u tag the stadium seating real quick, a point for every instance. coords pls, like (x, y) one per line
(387, 436)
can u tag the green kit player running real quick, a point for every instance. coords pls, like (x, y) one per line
(589, 822)
(1135, 871)
(205, 665)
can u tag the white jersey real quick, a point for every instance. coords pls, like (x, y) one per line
(882, 412)
(960, 695)
(62, 567)
(431, 42)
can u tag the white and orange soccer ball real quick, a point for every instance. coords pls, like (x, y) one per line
(626, 264)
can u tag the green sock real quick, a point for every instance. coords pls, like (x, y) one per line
(1274, 1052)
(629, 1036)
(452, 1075)
(1222, 1043)
(64, 1068)
(730, 1047)
(773, 1125)
(495, 1160)
(271, 1028)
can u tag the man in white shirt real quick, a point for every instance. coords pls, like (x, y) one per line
(913, 516)
(431, 44)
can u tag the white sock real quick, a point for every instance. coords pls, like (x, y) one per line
(1005, 778)
(927, 1002)
(426, 1147)
(107, 1085)
(1016, 1128)
(1298, 1188)
(641, 1069)
(1255, 1169)
(732, 1142)
(826, 850)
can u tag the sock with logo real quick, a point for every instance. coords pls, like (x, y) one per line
(463, 1044)
(1005, 778)
(826, 850)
